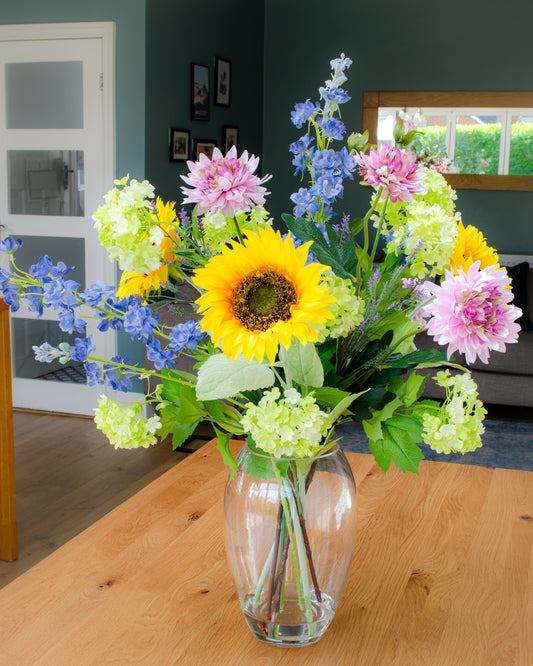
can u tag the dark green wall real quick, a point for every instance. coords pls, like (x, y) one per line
(129, 17)
(181, 33)
(414, 45)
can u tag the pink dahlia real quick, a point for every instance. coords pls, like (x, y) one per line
(394, 169)
(224, 184)
(471, 312)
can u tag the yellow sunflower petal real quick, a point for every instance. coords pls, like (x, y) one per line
(471, 246)
(263, 253)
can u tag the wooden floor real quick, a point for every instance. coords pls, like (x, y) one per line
(68, 476)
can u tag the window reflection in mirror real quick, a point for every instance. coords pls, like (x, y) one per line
(479, 140)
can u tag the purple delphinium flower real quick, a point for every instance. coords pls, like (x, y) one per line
(336, 95)
(160, 358)
(94, 292)
(186, 335)
(139, 321)
(305, 203)
(112, 312)
(58, 292)
(333, 128)
(9, 290)
(81, 349)
(303, 111)
(10, 245)
(117, 376)
(69, 322)
(94, 373)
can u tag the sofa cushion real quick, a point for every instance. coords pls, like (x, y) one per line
(516, 360)
(522, 282)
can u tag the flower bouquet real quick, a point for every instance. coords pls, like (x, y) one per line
(295, 332)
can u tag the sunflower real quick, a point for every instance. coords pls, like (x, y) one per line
(260, 294)
(471, 246)
(140, 284)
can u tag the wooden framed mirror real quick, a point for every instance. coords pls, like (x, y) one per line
(507, 110)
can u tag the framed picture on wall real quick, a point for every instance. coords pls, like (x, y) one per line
(230, 137)
(204, 147)
(199, 92)
(180, 144)
(222, 82)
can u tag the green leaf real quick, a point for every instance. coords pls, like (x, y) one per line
(182, 431)
(356, 225)
(375, 398)
(264, 466)
(329, 396)
(215, 409)
(221, 377)
(399, 444)
(171, 388)
(224, 447)
(341, 258)
(342, 406)
(189, 413)
(168, 415)
(302, 364)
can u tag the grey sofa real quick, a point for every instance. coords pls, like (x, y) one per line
(507, 379)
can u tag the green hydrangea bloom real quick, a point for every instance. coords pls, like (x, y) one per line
(219, 229)
(425, 229)
(126, 228)
(288, 425)
(347, 310)
(458, 425)
(125, 426)
(438, 191)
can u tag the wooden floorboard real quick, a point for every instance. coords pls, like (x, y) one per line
(68, 476)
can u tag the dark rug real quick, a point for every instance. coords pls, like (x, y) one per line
(505, 444)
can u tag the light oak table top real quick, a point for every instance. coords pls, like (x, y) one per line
(442, 574)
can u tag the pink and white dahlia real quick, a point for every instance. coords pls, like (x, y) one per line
(393, 169)
(471, 312)
(224, 184)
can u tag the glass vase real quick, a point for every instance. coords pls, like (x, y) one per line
(290, 527)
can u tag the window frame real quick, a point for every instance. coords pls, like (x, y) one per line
(373, 100)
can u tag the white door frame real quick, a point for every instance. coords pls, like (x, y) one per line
(105, 31)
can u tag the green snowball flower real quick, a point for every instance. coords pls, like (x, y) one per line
(288, 425)
(126, 228)
(219, 229)
(125, 426)
(347, 310)
(458, 425)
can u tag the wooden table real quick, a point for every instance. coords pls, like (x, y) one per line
(442, 574)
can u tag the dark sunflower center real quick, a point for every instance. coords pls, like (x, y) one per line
(262, 299)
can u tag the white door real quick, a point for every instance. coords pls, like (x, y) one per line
(56, 163)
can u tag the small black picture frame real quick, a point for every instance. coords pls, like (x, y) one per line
(204, 146)
(179, 144)
(230, 137)
(199, 92)
(222, 82)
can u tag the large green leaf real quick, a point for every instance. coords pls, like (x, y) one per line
(329, 396)
(223, 445)
(189, 413)
(302, 364)
(221, 377)
(400, 435)
(340, 257)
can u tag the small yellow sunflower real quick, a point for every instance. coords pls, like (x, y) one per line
(471, 246)
(141, 284)
(260, 294)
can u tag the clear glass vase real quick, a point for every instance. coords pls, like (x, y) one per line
(290, 527)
